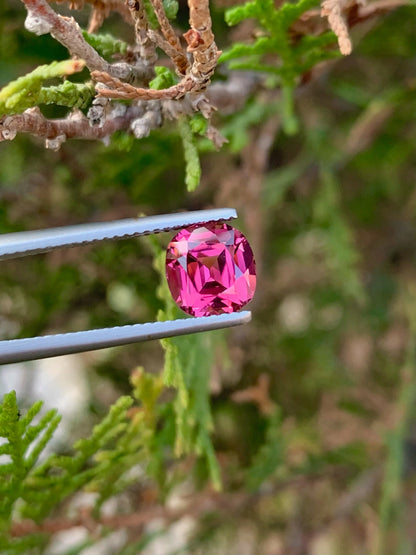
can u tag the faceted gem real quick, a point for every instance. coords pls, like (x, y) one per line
(210, 269)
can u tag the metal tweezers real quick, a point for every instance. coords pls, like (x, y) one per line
(14, 245)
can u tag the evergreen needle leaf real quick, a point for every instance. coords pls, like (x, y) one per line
(23, 93)
(192, 163)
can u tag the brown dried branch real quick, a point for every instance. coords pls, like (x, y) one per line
(201, 45)
(75, 125)
(367, 127)
(334, 11)
(376, 8)
(96, 20)
(174, 50)
(129, 92)
(101, 9)
(258, 394)
(342, 15)
(201, 41)
(162, 43)
(147, 50)
(186, 97)
(103, 118)
(360, 13)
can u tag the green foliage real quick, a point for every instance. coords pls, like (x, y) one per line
(198, 124)
(24, 443)
(164, 79)
(392, 511)
(190, 151)
(340, 254)
(332, 325)
(101, 463)
(72, 95)
(105, 44)
(188, 361)
(294, 57)
(271, 455)
(27, 91)
(171, 9)
(236, 129)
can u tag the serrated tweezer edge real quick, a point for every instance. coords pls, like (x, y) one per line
(20, 244)
(24, 243)
(19, 350)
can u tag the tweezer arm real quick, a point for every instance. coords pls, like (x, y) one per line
(19, 350)
(14, 245)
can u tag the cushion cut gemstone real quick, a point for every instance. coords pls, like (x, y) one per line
(210, 269)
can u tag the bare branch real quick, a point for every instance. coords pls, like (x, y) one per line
(176, 51)
(201, 42)
(129, 92)
(41, 19)
(147, 50)
(201, 45)
(101, 9)
(377, 8)
(258, 394)
(76, 125)
(341, 16)
(334, 10)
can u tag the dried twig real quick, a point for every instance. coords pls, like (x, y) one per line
(342, 15)
(41, 19)
(187, 96)
(104, 118)
(172, 45)
(201, 45)
(376, 8)
(58, 130)
(334, 11)
(101, 10)
(258, 394)
(201, 42)
(147, 50)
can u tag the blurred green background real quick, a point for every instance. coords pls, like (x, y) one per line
(330, 213)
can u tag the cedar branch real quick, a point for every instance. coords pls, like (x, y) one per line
(201, 45)
(101, 9)
(176, 51)
(147, 50)
(196, 506)
(74, 126)
(42, 19)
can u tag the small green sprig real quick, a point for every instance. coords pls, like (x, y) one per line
(171, 9)
(190, 150)
(105, 44)
(188, 361)
(24, 442)
(164, 79)
(293, 57)
(28, 90)
(100, 463)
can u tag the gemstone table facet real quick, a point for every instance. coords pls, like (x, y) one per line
(210, 269)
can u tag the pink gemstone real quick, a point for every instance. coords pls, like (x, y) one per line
(210, 269)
